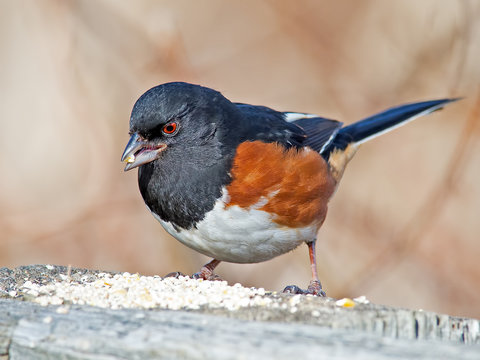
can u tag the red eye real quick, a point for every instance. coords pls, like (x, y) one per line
(170, 128)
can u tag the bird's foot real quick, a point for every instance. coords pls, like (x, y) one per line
(175, 274)
(206, 274)
(314, 288)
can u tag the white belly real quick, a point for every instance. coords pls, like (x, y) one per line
(240, 235)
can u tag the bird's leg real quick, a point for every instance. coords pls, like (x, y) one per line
(315, 287)
(206, 272)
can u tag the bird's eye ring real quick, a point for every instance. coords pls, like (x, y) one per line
(170, 128)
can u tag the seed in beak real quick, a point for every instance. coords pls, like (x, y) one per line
(130, 158)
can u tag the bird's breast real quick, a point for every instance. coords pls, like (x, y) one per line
(277, 199)
(240, 235)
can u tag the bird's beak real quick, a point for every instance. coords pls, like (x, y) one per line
(139, 152)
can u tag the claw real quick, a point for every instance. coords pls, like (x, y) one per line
(314, 288)
(206, 276)
(175, 274)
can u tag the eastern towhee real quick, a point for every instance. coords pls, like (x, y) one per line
(243, 183)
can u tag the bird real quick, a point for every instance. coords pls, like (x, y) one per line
(244, 183)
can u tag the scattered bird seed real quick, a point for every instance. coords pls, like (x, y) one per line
(345, 302)
(134, 291)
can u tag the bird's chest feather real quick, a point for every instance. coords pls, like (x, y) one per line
(235, 234)
(276, 200)
(182, 193)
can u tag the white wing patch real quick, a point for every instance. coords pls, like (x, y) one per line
(329, 141)
(293, 116)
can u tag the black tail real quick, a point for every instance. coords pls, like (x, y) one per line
(383, 122)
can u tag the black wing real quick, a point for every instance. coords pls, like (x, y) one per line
(320, 132)
(268, 125)
(289, 129)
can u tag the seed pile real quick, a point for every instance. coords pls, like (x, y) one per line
(134, 291)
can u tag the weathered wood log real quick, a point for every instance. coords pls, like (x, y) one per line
(309, 327)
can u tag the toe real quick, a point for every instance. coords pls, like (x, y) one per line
(175, 274)
(206, 275)
(314, 288)
(293, 289)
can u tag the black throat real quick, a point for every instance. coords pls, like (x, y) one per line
(182, 186)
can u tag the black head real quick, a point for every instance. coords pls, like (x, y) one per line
(183, 140)
(177, 117)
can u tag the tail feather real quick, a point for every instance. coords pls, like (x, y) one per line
(383, 122)
(344, 145)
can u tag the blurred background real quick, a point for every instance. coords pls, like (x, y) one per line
(404, 226)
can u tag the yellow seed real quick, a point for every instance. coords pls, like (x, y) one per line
(130, 158)
(345, 302)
